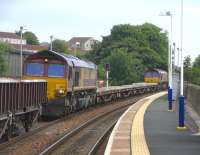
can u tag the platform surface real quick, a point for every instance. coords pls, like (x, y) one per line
(161, 134)
(147, 128)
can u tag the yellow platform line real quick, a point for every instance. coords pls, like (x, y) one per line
(138, 141)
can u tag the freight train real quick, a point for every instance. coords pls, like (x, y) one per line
(71, 82)
(54, 85)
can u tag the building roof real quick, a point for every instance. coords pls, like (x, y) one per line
(79, 39)
(30, 47)
(9, 35)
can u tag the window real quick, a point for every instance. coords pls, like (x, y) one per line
(76, 79)
(35, 69)
(70, 73)
(56, 70)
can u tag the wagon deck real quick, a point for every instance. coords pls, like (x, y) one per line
(115, 89)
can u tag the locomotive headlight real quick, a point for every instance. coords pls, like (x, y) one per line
(60, 92)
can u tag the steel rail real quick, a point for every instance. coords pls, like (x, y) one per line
(73, 132)
(35, 131)
(101, 139)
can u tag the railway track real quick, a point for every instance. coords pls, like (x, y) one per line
(16, 139)
(100, 145)
(39, 139)
(89, 132)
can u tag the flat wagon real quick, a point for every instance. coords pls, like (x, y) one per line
(20, 102)
(115, 92)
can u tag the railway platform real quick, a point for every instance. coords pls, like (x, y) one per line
(148, 128)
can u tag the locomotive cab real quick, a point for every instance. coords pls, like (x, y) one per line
(51, 68)
(156, 76)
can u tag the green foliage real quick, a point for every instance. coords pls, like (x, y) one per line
(187, 68)
(192, 72)
(4, 51)
(101, 71)
(60, 46)
(195, 75)
(124, 68)
(197, 62)
(31, 38)
(143, 45)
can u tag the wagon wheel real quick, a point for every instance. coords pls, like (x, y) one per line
(27, 122)
(7, 134)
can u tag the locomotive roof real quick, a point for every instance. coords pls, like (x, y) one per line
(79, 62)
(160, 71)
(157, 70)
(70, 60)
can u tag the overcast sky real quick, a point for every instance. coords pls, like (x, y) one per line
(68, 18)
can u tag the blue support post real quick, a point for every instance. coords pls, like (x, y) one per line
(181, 125)
(170, 99)
(181, 111)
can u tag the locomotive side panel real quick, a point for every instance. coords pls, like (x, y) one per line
(87, 78)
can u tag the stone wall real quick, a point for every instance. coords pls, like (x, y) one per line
(192, 95)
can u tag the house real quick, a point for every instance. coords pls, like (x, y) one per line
(30, 48)
(82, 43)
(11, 38)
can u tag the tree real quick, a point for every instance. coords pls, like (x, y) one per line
(197, 62)
(145, 44)
(187, 68)
(31, 38)
(101, 71)
(124, 68)
(135, 39)
(60, 46)
(195, 75)
(4, 51)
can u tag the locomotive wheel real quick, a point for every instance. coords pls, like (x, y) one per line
(74, 104)
(70, 108)
(87, 101)
(67, 108)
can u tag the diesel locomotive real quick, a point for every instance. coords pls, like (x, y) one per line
(71, 82)
(156, 76)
